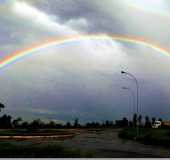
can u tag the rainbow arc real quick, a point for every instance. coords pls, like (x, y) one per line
(19, 55)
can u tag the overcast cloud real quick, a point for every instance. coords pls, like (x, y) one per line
(83, 79)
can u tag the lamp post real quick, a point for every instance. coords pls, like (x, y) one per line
(132, 93)
(137, 97)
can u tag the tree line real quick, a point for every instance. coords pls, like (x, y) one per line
(146, 122)
(6, 121)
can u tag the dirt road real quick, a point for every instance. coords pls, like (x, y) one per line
(106, 143)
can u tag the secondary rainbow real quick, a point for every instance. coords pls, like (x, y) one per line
(19, 55)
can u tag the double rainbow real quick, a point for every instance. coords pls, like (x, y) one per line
(19, 55)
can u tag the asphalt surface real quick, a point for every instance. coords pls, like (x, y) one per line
(107, 144)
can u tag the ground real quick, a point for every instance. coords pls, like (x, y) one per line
(91, 143)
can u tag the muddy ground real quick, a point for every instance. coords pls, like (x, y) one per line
(104, 143)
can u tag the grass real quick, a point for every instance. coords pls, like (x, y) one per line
(152, 136)
(24, 149)
(8, 150)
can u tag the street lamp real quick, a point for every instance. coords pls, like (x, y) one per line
(137, 95)
(132, 93)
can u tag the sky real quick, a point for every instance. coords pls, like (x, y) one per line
(82, 79)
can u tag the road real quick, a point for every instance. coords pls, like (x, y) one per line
(103, 143)
(106, 143)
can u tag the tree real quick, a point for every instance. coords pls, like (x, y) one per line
(68, 125)
(122, 123)
(160, 119)
(130, 124)
(51, 124)
(153, 120)
(107, 123)
(17, 122)
(76, 123)
(135, 120)
(147, 122)
(35, 124)
(140, 120)
(25, 125)
(125, 122)
(1, 106)
(5, 121)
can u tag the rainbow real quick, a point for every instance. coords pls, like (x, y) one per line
(19, 55)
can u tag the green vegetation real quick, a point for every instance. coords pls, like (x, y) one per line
(7, 122)
(152, 136)
(9, 150)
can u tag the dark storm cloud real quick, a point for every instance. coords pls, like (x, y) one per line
(98, 20)
(83, 79)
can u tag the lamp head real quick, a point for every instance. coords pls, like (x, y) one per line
(123, 72)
